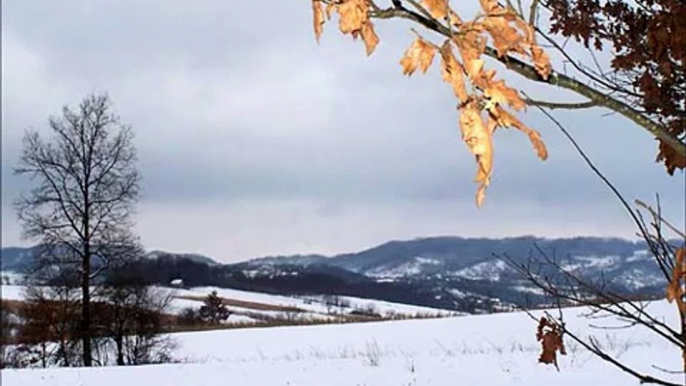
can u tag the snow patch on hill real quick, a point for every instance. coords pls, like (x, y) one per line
(488, 270)
(413, 267)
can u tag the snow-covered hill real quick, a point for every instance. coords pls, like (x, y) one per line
(461, 274)
(497, 349)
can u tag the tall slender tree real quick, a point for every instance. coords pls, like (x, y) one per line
(85, 187)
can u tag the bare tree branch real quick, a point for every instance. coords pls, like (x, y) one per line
(557, 105)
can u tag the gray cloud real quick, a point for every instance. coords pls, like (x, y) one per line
(255, 140)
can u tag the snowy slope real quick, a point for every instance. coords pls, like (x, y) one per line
(495, 349)
(307, 303)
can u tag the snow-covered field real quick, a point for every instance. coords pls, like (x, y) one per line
(12, 292)
(488, 350)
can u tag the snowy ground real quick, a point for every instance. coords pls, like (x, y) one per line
(12, 292)
(470, 350)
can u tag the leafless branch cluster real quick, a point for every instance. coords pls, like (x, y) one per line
(566, 287)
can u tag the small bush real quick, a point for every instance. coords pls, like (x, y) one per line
(214, 310)
(189, 317)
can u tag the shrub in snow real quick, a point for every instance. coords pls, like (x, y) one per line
(214, 310)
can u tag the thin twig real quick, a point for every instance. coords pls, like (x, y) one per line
(660, 218)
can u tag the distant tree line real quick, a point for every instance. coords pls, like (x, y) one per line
(129, 318)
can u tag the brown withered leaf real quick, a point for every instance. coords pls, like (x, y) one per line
(675, 288)
(489, 6)
(503, 95)
(437, 8)
(671, 158)
(538, 55)
(352, 16)
(371, 40)
(491, 124)
(529, 32)
(505, 37)
(454, 18)
(420, 54)
(318, 18)
(506, 119)
(453, 72)
(550, 336)
(478, 139)
(541, 61)
(330, 8)
(472, 46)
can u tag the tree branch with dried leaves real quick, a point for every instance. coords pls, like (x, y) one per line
(499, 32)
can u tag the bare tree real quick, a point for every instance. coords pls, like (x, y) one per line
(50, 316)
(133, 316)
(85, 186)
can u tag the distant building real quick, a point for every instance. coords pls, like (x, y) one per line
(176, 283)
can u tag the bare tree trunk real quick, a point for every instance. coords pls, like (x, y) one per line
(85, 308)
(119, 340)
(44, 354)
(64, 352)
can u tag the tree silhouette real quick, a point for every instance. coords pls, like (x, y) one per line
(214, 310)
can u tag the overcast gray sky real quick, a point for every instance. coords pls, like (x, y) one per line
(254, 140)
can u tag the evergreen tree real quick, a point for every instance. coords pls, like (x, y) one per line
(214, 310)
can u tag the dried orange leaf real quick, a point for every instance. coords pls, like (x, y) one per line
(330, 8)
(437, 8)
(541, 61)
(529, 33)
(506, 119)
(506, 38)
(675, 288)
(472, 46)
(352, 16)
(453, 72)
(318, 18)
(481, 194)
(478, 139)
(503, 95)
(489, 6)
(419, 55)
(454, 18)
(539, 145)
(369, 37)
